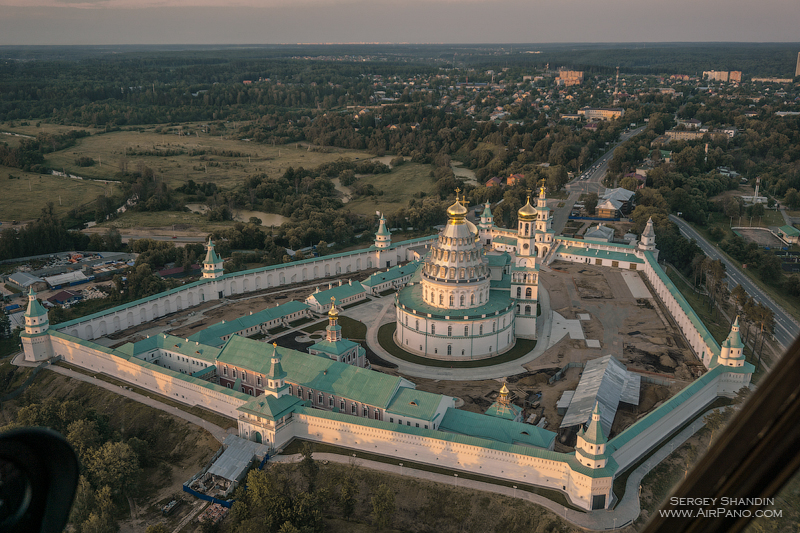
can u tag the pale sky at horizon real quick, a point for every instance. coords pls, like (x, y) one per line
(97, 22)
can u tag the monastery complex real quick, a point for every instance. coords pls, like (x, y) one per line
(467, 293)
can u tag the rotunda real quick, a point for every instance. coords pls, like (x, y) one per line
(450, 311)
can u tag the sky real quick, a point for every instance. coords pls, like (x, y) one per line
(97, 22)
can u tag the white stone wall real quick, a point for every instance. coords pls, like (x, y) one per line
(474, 459)
(178, 299)
(97, 359)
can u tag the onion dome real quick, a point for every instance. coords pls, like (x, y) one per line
(527, 212)
(457, 212)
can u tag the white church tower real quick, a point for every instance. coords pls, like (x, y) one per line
(545, 235)
(276, 377)
(525, 273)
(647, 242)
(36, 339)
(732, 349)
(486, 224)
(590, 450)
(212, 264)
(384, 258)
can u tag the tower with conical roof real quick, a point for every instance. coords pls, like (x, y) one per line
(590, 449)
(276, 377)
(36, 339)
(732, 349)
(338, 348)
(212, 264)
(383, 238)
(647, 242)
(545, 236)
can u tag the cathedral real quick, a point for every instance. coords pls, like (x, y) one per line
(477, 289)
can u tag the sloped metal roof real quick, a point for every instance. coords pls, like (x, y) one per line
(603, 381)
(234, 461)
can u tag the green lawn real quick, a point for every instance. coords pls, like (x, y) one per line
(24, 198)
(398, 186)
(386, 340)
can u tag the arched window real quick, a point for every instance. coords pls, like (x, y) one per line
(441, 299)
(466, 331)
(527, 309)
(526, 228)
(494, 327)
(480, 298)
(449, 350)
(452, 300)
(461, 300)
(519, 292)
(472, 299)
(416, 326)
(433, 329)
(449, 331)
(480, 330)
(406, 320)
(528, 293)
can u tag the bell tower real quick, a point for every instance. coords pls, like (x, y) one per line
(36, 340)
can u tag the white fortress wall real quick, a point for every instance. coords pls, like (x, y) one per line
(177, 386)
(162, 304)
(546, 472)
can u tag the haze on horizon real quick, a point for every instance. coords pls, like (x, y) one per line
(112, 22)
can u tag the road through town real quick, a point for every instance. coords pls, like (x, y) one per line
(786, 328)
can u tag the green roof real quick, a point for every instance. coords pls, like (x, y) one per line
(411, 298)
(317, 373)
(494, 428)
(155, 368)
(382, 231)
(396, 272)
(415, 403)
(599, 254)
(505, 240)
(335, 348)
(565, 240)
(213, 333)
(500, 260)
(594, 432)
(653, 417)
(509, 412)
(164, 341)
(530, 451)
(35, 308)
(791, 231)
(340, 292)
(272, 408)
(734, 340)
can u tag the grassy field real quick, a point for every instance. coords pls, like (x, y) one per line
(24, 198)
(109, 150)
(398, 187)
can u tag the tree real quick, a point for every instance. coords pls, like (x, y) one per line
(114, 464)
(792, 198)
(348, 490)
(308, 466)
(716, 420)
(383, 506)
(591, 203)
(83, 436)
(158, 528)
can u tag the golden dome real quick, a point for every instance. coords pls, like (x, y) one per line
(333, 311)
(457, 211)
(527, 211)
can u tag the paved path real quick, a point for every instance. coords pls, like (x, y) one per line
(626, 511)
(385, 314)
(216, 431)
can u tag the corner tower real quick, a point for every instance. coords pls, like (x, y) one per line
(732, 348)
(383, 238)
(590, 449)
(36, 340)
(276, 377)
(212, 264)
(647, 242)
